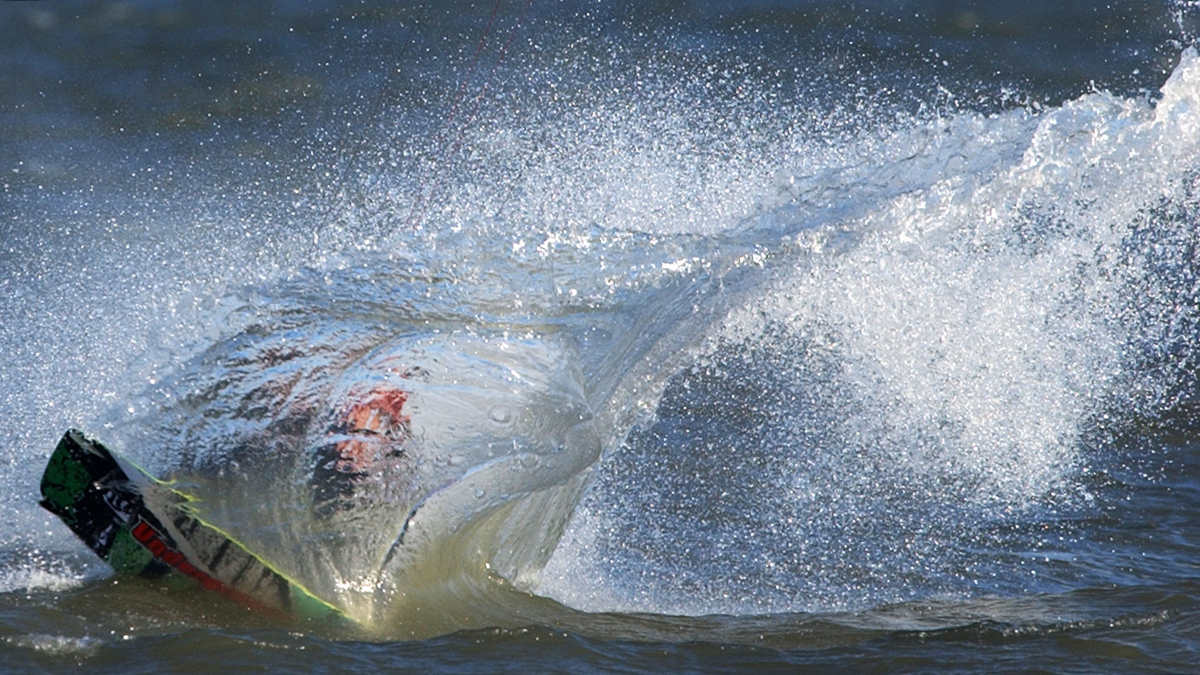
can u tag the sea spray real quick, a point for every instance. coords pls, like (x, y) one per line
(927, 344)
(943, 362)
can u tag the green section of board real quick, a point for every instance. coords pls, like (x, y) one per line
(64, 480)
(141, 526)
(126, 555)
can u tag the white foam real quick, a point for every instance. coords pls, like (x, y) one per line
(39, 577)
(57, 645)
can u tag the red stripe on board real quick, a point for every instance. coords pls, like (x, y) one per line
(153, 541)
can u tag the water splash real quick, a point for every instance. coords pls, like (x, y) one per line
(939, 362)
(867, 346)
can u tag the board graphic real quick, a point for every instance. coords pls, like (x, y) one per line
(142, 526)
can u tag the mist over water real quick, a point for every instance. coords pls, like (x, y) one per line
(688, 322)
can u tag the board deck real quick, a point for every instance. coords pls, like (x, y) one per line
(141, 526)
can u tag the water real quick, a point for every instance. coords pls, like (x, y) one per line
(701, 337)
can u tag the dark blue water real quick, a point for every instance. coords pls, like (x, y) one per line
(735, 336)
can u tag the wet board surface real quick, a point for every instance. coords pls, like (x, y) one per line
(141, 526)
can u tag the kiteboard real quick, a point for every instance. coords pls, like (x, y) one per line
(141, 526)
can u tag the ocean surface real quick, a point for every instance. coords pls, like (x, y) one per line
(751, 336)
